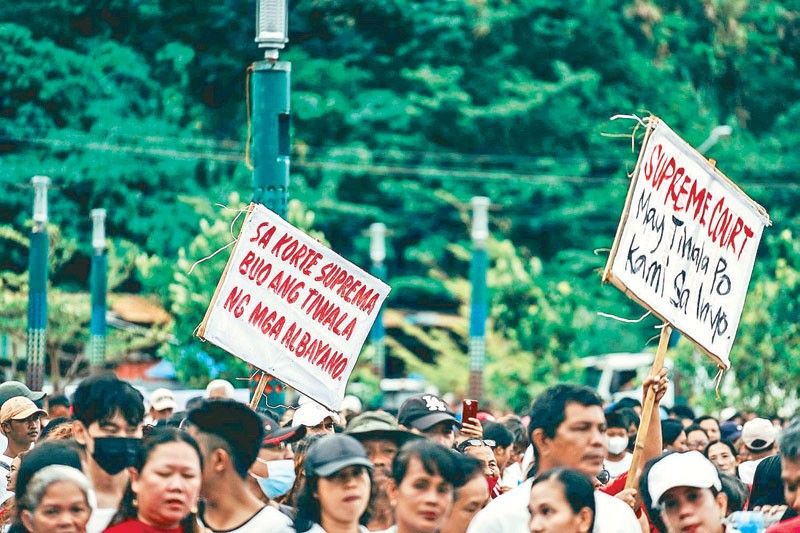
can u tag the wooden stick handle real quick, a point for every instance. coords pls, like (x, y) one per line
(262, 384)
(647, 409)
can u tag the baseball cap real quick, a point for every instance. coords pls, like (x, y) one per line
(759, 434)
(689, 469)
(311, 414)
(10, 389)
(332, 453)
(424, 411)
(378, 425)
(19, 408)
(730, 430)
(275, 434)
(162, 399)
(728, 413)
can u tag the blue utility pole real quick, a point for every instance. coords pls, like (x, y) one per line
(99, 287)
(478, 304)
(37, 286)
(377, 253)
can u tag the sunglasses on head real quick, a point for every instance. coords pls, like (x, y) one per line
(469, 443)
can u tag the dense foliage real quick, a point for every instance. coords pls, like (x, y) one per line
(402, 111)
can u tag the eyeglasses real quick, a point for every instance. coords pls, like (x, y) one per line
(476, 442)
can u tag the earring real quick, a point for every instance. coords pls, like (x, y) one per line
(135, 502)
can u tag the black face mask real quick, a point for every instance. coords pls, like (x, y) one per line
(114, 454)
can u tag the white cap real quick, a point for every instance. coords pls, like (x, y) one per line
(759, 434)
(689, 469)
(311, 414)
(219, 388)
(351, 403)
(161, 399)
(727, 413)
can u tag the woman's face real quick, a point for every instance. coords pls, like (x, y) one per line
(63, 509)
(469, 500)
(168, 485)
(721, 456)
(422, 500)
(552, 513)
(692, 509)
(344, 496)
(11, 477)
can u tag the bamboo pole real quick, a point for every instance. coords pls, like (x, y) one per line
(259, 392)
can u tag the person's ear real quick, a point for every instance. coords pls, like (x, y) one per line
(134, 474)
(5, 427)
(79, 432)
(392, 492)
(721, 499)
(219, 460)
(27, 520)
(583, 520)
(541, 442)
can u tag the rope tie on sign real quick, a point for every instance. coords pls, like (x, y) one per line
(234, 239)
(598, 251)
(718, 380)
(625, 320)
(640, 123)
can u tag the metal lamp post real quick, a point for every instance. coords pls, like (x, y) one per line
(478, 305)
(98, 284)
(270, 87)
(37, 286)
(377, 253)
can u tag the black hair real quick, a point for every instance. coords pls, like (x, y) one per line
(703, 418)
(789, 440)
(98, 398)
(627, 403)
(470, 467)
(578, 490)
(58, 399)
(736, 491)
(52, 452)
(548, 410)
(726, 442)
(300, 449)
(767, 483)
(695, 427)
(683, 411)
(630, 416)
(670, 430)
(127, 508)
(435, 459)
(53, 424)
(232, 426)
(616, 420)
(501, 435)
(517, 428)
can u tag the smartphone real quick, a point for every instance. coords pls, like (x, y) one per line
(469, 409)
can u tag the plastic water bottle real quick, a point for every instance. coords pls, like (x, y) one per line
(747, 521)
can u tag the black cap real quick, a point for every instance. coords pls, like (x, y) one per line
(424, 411)
(332, 453)
(275, 434)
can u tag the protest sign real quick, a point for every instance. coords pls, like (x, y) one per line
(686, 243)
(292, 307)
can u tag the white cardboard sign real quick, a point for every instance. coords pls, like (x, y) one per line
(292, 307)
(686, 243)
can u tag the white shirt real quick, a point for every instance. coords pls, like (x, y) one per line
(509, 514)
(267, 519)
(512, 476)
(617, 468)
(4, 470)
(100, 519)
(316, 528)
(747, 470)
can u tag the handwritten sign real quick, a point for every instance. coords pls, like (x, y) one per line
(292, 307)
(687, 241)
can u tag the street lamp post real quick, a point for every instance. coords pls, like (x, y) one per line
(271, 142)
(377, 253)
(37, 286)
(98, 283)
(478, 304)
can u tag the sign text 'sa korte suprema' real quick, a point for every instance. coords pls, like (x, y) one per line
(686, 242)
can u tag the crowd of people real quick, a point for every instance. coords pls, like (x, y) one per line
(107, 459)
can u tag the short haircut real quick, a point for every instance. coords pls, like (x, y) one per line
(578, 490)
(501, 435)
(548, 410)
(58, 399)
(627, 403)
(616, 420)
(726, 442)
(630, 416)
(789, 441)
(703, 418)
(50, 429)
(435, 460)
(517, 428)
(736, 491)
(695, 427)
(470, 467)
(232, 426)
(98, 398)
(683, 411)
(670, 431)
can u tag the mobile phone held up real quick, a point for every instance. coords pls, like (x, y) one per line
(469, 409)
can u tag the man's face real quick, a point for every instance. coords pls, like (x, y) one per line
(23, 432)
(579, 442)
(486, 457)
(443, 433)
(116, 426)
(163, 414)
(326, 427)
(712, 429)
(790, 474)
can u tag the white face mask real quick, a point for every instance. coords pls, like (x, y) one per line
(617, 445)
